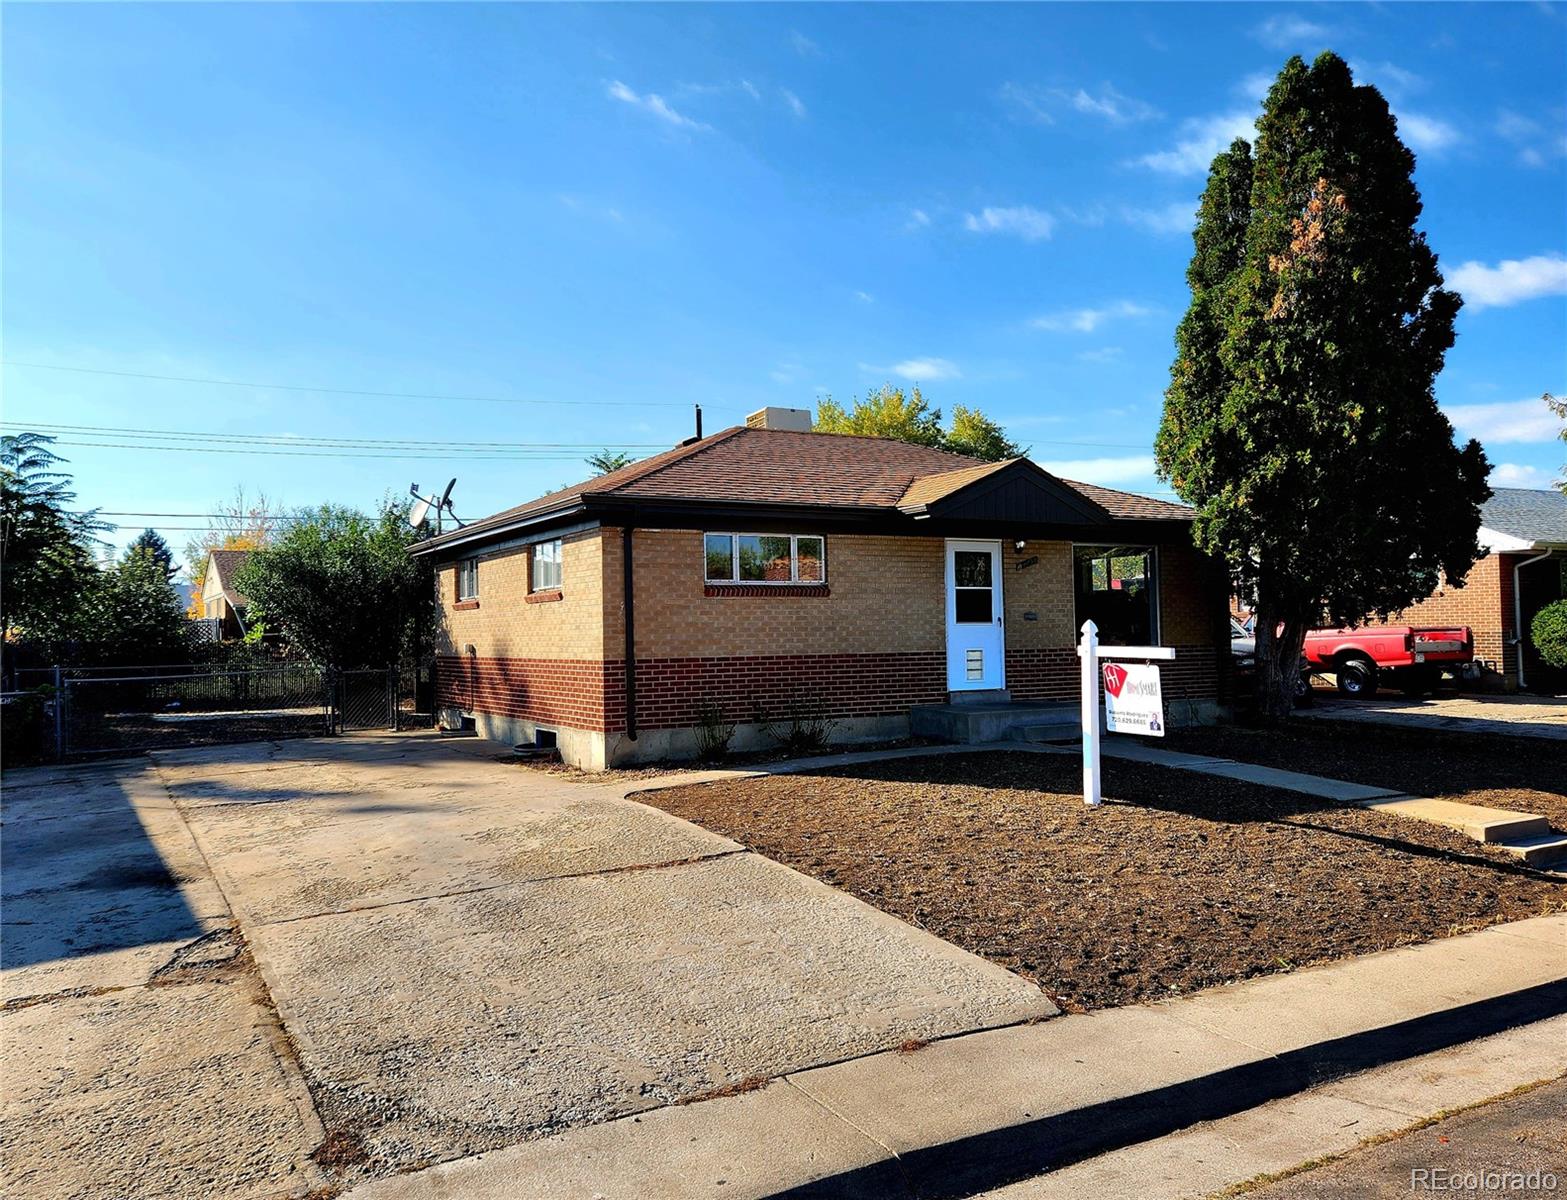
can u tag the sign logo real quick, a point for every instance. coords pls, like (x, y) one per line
(1115, 679)
(1134, 702)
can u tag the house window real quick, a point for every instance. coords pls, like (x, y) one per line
(765, 558)
(546, 566)
(468, 579)
(1117, 589)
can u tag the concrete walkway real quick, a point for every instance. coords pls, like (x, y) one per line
(980, 1110)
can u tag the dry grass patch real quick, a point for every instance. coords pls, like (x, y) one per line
(1180, 881)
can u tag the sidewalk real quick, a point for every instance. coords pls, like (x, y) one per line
(980, 1110)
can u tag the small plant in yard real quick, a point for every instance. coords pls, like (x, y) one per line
(713, 732)
(803, 728)
(1549, 630)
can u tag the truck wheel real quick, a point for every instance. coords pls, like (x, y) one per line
(1357, 678)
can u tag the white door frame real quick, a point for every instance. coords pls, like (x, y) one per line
(994, 641)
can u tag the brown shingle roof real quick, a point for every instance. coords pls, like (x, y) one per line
(226, 564)
(782, 467)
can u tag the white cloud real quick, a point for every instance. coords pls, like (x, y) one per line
(926, 370)
(1108, 104)
(1030, 224)
(796, 105)
(803, 46)
(1505, 421)
(1104, 471)
(1389, 78)
(1286, 33)
(1518, 475)
(1200, 141)
(1086, 320)
(654, 104)
(1104, 354)
(750, 89)
(918, 219)
(1427, 134)
(1179, 216)
(865, 297)
(1537, 143)
(1511, 281)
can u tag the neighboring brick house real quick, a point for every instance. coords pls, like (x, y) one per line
(220, 599)
(1524, 532)
(768, 569)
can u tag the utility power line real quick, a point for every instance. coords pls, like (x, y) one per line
(334, 391)
(303, 440)
(223, 449)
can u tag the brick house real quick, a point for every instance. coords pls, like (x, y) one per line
(1524, 532)
(767, 569)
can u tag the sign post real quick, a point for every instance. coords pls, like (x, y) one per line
(1133, 703)
(1090, 654)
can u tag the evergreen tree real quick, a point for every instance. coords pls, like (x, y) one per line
(151, 543)
(1300, 418)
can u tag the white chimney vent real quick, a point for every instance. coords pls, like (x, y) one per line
(795, 420)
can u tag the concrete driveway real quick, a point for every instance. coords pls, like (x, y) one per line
(1514, 716)
(265, 969)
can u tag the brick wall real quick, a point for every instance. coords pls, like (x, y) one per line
(1484, 603)
(872, 643)
(504, 625)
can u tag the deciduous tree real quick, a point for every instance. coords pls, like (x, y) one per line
(1300, 419)
(341, 587)
(890, 412)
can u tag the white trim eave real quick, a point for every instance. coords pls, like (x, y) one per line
(1496, 542)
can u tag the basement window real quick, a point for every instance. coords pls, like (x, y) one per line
(765, 558)
(1117, 589)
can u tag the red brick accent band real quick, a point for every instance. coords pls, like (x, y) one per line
(672, 692)
(765, 589)
(573, 693)
(465, 605)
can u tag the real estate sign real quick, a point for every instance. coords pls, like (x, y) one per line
(1133, 701)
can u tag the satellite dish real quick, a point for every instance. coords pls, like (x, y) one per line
(419, 513)
(446, 496)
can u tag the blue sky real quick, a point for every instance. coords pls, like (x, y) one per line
(633, 209)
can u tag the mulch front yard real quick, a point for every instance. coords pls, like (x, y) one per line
(1180, 881)
(1529, 774)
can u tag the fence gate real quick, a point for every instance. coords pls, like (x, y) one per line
(365, 700)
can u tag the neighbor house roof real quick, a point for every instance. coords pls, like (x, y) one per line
(1525, 518)
(782, 469)
(226, 564)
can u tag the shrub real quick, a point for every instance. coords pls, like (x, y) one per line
(1549, 630)
(804, 727)
(25, 730)
(713, 732)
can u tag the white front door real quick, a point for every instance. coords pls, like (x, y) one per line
(975, 644)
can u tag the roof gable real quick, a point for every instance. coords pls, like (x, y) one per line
(1013, 490)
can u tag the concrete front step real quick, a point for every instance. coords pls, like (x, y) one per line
(1473, 820)
(969, 724)
(1548, 850)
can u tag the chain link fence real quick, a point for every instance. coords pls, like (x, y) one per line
(69, 714)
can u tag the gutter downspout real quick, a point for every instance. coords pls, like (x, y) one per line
(629, 604)
(1518, 608)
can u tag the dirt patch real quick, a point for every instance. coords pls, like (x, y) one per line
(1179, 882)
(1498, 772)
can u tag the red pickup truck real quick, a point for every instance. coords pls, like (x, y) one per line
(1409, 658)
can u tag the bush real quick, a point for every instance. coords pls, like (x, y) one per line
(1549, 631)
(25, 729)
(713, 732)
(804, 727)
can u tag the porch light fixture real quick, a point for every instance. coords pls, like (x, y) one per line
(1019, 545)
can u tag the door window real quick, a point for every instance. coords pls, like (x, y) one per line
(972, 584)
